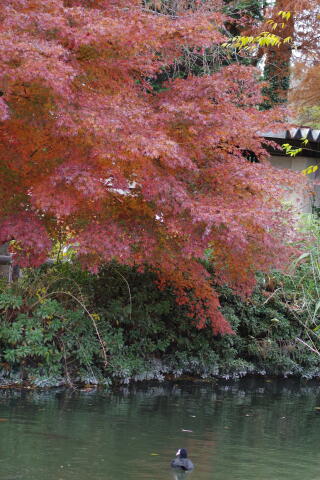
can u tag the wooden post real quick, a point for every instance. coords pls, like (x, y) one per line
(5, 262)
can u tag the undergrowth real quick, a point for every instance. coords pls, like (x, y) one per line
(63, 325)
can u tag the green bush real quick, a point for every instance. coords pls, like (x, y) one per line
(65, 325)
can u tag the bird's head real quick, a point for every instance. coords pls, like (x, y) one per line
(182, 453)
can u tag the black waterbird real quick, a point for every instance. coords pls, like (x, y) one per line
(182, 461)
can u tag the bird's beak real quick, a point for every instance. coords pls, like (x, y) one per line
(178, 452)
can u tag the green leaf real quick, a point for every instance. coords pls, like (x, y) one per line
(9, 300)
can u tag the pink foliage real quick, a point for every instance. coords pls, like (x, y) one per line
(88, 152)
(33, 244)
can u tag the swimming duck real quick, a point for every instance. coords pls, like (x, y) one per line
(182, 461)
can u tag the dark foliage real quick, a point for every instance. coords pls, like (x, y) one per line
(48, 336)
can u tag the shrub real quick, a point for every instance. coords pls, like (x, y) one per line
(62, 324)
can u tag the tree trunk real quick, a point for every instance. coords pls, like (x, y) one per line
(278, 58)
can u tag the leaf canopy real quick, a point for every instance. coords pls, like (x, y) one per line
(89, 154)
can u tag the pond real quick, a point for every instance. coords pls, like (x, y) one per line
(254, 429)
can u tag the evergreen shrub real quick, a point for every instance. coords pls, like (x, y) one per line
(65, 325)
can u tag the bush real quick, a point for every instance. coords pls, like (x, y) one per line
(65, 325)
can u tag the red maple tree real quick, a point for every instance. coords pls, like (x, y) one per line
(90, 152)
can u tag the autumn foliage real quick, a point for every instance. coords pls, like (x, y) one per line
(305, 92)
(292, 64)
(91, 155)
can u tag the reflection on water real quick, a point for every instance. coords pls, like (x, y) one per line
(176, 475)
(255, 429)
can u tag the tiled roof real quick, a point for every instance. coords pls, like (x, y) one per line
(311, 134)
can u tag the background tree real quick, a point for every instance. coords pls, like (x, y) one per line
(91, 154)
(278, 57)
(305, 93)
(285, 37)
(287, 62)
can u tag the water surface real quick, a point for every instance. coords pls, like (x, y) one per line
(262, 430)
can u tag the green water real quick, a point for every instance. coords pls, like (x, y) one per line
(262, 430)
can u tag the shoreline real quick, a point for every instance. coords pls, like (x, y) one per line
(116, 385)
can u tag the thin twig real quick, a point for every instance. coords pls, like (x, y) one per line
(128, 286)
(102, 343)
(273, 293)
(70, 383)
(308, 346)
